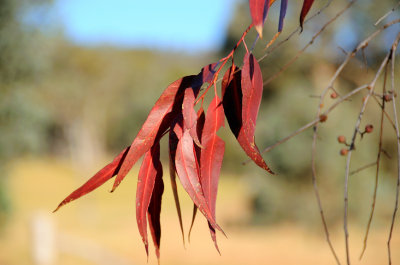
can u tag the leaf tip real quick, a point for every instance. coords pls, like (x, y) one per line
(259, 29)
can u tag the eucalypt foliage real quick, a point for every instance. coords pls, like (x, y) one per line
(195, 150)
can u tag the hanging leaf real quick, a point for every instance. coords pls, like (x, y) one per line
(154, 210)
(171, 97)
(252, 88)
(98, 179)
(188, 174)
(151, 167)
(282, 14)
(258, 12)
(173, 143)
(242, 92)
(189, 114)
(211, 157)
(232, 98)
(304, 11)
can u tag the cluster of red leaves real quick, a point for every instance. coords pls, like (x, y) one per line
(195, 150)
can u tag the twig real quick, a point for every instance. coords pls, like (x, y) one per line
(387, 14)
(352, 144)
(294, 32)
(300, 52)
(362, 168)
(378, 159)
(393, 52)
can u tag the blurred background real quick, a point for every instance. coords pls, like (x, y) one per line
(77, 80)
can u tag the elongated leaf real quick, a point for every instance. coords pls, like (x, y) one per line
(189, 114)
(200, 126)
(98, 179)
(151, 167)
(232, 98)
(282, 14)
(258, 12)
(171, 97)
(252, 88)
(155, 210)
(173, 143)
(188, 174)
(211, 157)
(304, 11)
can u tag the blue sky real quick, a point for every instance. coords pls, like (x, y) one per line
(180, 25)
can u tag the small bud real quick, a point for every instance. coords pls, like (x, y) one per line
(369, 128)
(323, 118)
(343, 151)
(341, 139)
(387, 97)
(333, 95)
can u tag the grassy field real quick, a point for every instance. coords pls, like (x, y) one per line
(101, 228)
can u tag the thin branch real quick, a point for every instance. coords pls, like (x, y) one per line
(298, 29)
(394, 48)
(362, 168)
(352, 144)
(300, 52)
(387, 14)
(378, 159)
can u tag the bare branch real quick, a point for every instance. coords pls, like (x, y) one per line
(393, 52)
(378, 159)
(387, 14)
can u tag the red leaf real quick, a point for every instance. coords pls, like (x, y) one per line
(189, 114)
(98, 179)
(258, 12)
(241, 112)
(211, 156)
(171, 97)
(208, 72)
(282, 14)
(232, 98)
(304, 11)
(150, 169)
(155, 210)
(252, 88)
(188, 174)
(173, 143)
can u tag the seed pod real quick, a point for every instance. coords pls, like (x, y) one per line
(341, 139)
(323, 118)
(343, 151)
(369, 128)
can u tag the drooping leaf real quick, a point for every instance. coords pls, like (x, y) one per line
(169, 99)
(258, 12)
(189, 114)
(199, 128)
(232, 98)
(211, 156)
(173, 143)
(241, 92)
(98, 179)
(304, 11)
(150, 169)
(188, 174)
(252, 88)
(154, 210)
(282, 14)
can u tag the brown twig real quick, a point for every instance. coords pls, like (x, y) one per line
(298, 29)
(362, 168)
(378, 159)
(387, 14)
(393, 52)
(352, 144)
